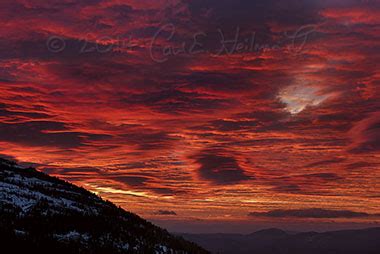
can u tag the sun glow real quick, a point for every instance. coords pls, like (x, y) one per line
(298, 97)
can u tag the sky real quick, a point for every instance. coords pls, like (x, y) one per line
(202, 115)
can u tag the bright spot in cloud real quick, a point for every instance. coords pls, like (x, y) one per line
(299, 97)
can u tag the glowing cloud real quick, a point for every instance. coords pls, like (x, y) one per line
(298, 97)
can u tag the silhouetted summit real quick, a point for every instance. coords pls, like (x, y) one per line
(271, 232)
(44, 214)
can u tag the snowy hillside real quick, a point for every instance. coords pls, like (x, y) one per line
(45, 214)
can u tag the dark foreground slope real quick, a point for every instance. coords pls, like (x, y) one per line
(47, 215)
(276, 241)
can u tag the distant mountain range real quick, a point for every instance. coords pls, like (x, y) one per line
(43, 214)
(276, 241)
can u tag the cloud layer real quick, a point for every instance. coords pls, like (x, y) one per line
(315, 213)
(208, 108)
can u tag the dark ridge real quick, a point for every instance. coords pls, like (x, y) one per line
(269, 232)
(43, 214)
(277, 241)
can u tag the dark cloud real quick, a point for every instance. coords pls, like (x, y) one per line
(262, 142)
(360, 164)
(310, 184)
(220, 81)
(121, 13)
(165, 190)
(228, 125)
(245, 13)
(341, 117)
(70, 171)
(220, 168)
(287, 188)
(366, 135)
(35, 47)
(28, 115)
(316, 213)
(324, 176)
(44, 133)
(36, 134)
(19, 114)
(131, 180)
(165, 212)
(136, 165)
(148, 139)
(177, 102)
(324, 163)
(95, 67)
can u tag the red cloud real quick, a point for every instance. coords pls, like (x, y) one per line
(102, 113)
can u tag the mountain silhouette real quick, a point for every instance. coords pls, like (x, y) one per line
(276, 241)
(43, 214)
